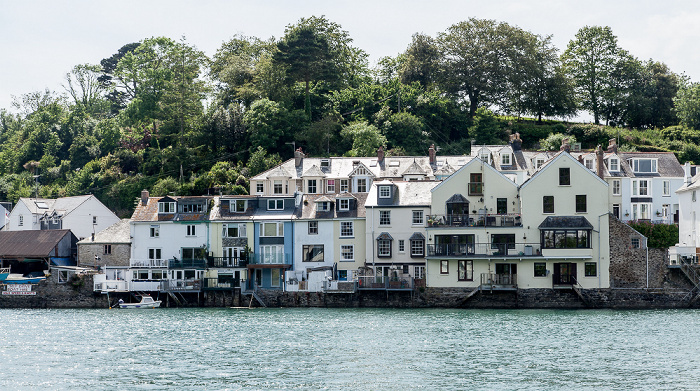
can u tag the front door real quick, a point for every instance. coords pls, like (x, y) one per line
(506, 273)
(564, 274)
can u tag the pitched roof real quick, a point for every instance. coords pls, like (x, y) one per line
(31, 243)
(118, 232)
(314, 171)
(570, 222)
(62, 205)
(414, 169)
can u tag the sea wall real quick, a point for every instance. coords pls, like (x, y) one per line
(54, 294)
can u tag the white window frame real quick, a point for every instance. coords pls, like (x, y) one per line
(323, 206)
(311, 186)
(616, 187)
(418, 245)
(588, 163)
(383, 248)
(635, 163)
(417, 217)
(362, 185)
(344, 185)
(614, 164)
(240, 229)
(191, 230)
(278, 229)
(275, 204)
(275, 189)
(384, 217)
(166, 207)
(330, 186)
(641, 211)
(313, 228)
(637, 187)
(506, 159)
(402, 246)
(259, 188)
(666, 188)
(347, 253)
(539, 162)
(154, 231)
(347, 229)
(384, 191)
(234, 206)
(155, 253)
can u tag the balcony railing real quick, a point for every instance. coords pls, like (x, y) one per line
(384, 282)
(270, 259)
(475, 220)
(220, 283)
(484, 249)
(181, 285)
(226, 262)
(493, 280)
(187, 263)
(149, 263)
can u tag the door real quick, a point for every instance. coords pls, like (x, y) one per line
(502, 206)
(506, 273)
(616, 210)
(564, 274)
(258, 277)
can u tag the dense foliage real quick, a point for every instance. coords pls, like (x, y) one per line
(659, 235)
(159, 114)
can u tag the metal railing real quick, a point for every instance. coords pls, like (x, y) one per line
(220, 283)
(484, 249)
(475, 220)
(187, 263)
(491, 280)
(384, 282)
(226, 262)
(148, 262)
(181, 285)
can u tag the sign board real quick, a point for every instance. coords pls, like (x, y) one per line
(18, 290)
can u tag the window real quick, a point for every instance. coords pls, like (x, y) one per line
(614, 164)
(192, 253)
(505, 159)
(347, 253)
(540, 269)
(277, 187)
(402, 246)
(570, 238)
(417, 248)
(312, 253)
(384, 248)
(667, 188)
(640, 187)
(564, 176)
(275, 204)
(323, 206)
(192, 208)
(237, 206)
(501, 206)
(384, 217)
(191, 230)
(234, 230)
(330, 186)
(361, 185)
(155, 231)
(501, 243)
(444, 267)
(465, 270)
(616, 187)
(344, 204)
(154, 253)
(107, 249)
(589, 164)
(346, 229)
(313, 227)
(166, 207)
(21, 220)
(548, 204)
(325, 162)
(94, 219)
(580, 203)
(476, 185)
(311, 186)
(590, 269)
(272, 229)
(643, 165)
(635, 242)
(419, 272)
(641, 211)
(343, 185)
(539, 162)
(384, 191)
(272, 254)
(259, 187)
(417, 217)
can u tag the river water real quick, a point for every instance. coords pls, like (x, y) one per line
(349, 349)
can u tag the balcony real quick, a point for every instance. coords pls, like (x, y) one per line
(477, 220)
(189, 285)
(385, 283)
(227, 262)
(270, 259)
(187, 263)
(149, 263)
(493, 281)
(220, 283)
(484, 250)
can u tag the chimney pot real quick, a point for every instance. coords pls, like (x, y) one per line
(380, 155)
(431, 154)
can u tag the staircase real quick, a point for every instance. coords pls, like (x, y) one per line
(179, 300)
(255, 295)
(692, 274)
(469, 296)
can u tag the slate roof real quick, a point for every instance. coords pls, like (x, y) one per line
(149, 212)
(62, 205)
(565, 222)
(31, 243)
(667, 166)
(307, 208)
(117, 233)
(406, 193)
(414, 169)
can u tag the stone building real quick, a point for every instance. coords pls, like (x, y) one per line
(109, 247)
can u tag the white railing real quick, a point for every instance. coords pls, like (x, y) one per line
(149, 263)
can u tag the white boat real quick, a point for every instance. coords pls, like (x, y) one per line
(146, 302)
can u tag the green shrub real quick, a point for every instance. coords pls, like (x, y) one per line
(659, 235)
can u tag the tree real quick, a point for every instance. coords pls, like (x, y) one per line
(687, 104)
(116, 96)
(421, 61)
(482, 60)
(84, 87)
(592, 59)
(365, 138)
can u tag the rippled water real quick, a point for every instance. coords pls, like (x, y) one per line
(349, 349)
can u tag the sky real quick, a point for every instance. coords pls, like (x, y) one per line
(42, 40)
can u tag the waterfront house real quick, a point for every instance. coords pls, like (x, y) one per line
(84, 215)
(396, 216)
(36, 250)
(109, 247)
(686, 251)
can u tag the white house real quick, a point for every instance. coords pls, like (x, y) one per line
(83, 215)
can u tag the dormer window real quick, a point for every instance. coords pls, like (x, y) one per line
(384, 191)
(614, 164)
(643, 165)
(589, 164)
(539, 162)
(275, 204)
(325, 162)
(311, 186)
(166, 207)
(344, 204)
(192, 208)
(238, 206)
(323, 206)
(505, 159)
(484, 156)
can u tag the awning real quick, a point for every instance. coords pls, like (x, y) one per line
(417, 236)
(565, 222)
(384, 236)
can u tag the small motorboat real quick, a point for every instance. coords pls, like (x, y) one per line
(31, 278)
(146, 302)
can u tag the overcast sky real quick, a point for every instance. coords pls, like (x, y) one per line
(42, 40)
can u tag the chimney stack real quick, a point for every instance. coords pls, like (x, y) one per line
(565, 145)
(580, 159)
(380, 155)
(515, 141)
(431, 154)
(298, 157)
(612, 146)
(688, 177)
(599, 162)
(144, 197)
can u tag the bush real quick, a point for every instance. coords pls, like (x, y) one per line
(659, 235)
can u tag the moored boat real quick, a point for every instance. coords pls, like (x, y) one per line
(146, 302)
(16, 278)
